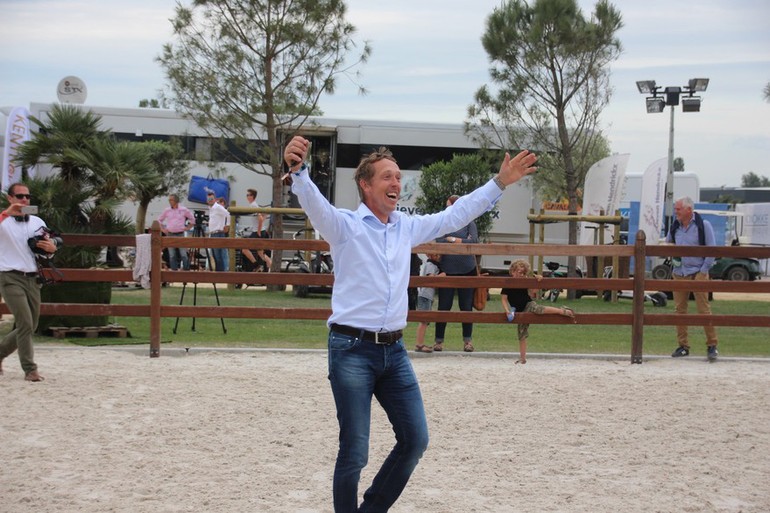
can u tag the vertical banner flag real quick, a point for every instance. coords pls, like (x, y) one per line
(16, 132)
(602, 190)
(651, 200)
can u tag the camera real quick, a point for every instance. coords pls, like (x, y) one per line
(43, 233)
(200, 217)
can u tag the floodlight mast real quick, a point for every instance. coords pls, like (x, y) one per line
(657, 103)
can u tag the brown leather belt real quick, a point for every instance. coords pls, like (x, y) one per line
(22, 273)
(378, 337)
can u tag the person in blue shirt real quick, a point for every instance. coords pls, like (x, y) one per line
(371, 248)
(689, 229)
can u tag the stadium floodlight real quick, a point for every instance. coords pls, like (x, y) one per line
(646, 86)
(656, 103)
(691, 104)
(698, 85)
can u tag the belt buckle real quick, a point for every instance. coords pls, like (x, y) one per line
(377, 338)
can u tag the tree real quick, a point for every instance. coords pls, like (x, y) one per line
(167, 173)
(112, 165)
(550, 69)
(153, 103)
(751, 179)
(68, 129)
(726, 198)
(678, 164)
(253, 70)
(766, 92)
(551, 181)
(461, 175)
(93, 171)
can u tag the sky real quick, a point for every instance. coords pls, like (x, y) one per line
(428, 62)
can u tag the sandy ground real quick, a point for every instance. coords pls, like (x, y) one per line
(112, 430)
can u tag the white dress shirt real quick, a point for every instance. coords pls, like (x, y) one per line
(371, 259)
(218, 216)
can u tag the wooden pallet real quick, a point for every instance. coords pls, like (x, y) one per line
(89, 331)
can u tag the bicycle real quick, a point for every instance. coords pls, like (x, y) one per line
(320, 263)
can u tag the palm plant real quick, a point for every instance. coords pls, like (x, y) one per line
(168, 173)
(68, 128)
(93, 175)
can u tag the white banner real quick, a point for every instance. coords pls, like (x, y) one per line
(602, 190)
(16, 132)
(652, 199)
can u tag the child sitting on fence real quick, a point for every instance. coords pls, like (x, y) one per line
(425, 300)
(521, 300)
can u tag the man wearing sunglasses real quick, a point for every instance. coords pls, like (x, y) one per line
(218, 227)
(18, 278)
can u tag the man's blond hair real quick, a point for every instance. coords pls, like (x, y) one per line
(365, 169)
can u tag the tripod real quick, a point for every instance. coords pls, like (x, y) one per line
(195, 257)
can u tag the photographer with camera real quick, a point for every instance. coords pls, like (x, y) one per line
(22, 235)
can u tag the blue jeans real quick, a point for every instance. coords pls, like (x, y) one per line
(177, 254)
(221, 257)
(359, 370)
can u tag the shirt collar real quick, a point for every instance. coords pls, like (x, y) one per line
(364, 213)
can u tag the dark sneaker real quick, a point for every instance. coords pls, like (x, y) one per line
(680, 351)
(713, 354)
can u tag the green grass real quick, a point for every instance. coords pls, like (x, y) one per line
(268, 333)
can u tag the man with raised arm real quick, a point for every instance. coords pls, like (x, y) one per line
(371, 248)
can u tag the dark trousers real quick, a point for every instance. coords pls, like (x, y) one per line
(465, 301)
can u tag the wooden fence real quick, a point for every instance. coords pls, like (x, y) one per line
(637, 319)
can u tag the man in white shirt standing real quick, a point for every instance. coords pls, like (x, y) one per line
(18, 277)
(371, 248)
(218, 227)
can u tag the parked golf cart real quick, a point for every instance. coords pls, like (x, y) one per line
(725, 268)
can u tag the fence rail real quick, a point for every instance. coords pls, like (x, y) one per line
(637, 319)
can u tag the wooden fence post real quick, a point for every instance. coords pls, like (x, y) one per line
(637, 322)
(532, 241)
(156, 283)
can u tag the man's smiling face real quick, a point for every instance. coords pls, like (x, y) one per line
(382, 194)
